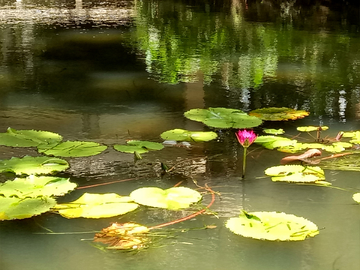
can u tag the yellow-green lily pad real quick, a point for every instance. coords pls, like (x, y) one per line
(296, 173)
(97, 206)
(33, 165)
(172, 198)
(20, 208)
(278, 114)
(272, 226)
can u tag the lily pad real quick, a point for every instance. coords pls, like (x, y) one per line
(278, 114)
(28, 138)
(189, 136)
(19, 208)
(271, 142)
(273, 131)
(173, 198)
(356, 197)
(223, 118)
(296, 173)
(97, 206)
(312, 128)
(33, 165)
(34, 186)
(72, 149)
(272, 226)
(138, 147)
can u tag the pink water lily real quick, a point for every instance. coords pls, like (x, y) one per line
(245, 138)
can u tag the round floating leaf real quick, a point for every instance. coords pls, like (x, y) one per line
(27, 138)
(273, 131)
(356, 197)
(130, 149)
(278, 114)
(172, 198)
(33, 186)
(19, 208)
(296, 173)
(272, 226)
(97, 206)
(190, 136)
(146, 145)
(33, 165)
(271, 142)
(351, 134)
(138, 147)
(312, 128)
(223, 118)
(72, 149)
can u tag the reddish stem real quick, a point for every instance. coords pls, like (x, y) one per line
(107, 183)
(189, 216)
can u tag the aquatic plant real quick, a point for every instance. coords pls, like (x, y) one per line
(297, 173)
(173, 198)
(91, 205)
(245, 138)
(223, 118)
(138, 147)
(189, 136)
(278, 114)
(272, 226)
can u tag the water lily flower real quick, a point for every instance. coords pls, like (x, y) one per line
(245, 138)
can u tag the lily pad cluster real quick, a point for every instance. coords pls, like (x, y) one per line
(287, 145)
(91, 205)
(49, 143)
(33, 195)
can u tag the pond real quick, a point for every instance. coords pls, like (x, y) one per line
(113, 71)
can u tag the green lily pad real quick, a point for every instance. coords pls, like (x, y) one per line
(189, 136)
(223, 118)
(173, 198)
(72, 149)
(27, 138)
(312, 128)
(296, 173)
(273, 131)
(97, 206)
(278, 114)
(33, 165)
(34, 186)
(138, 147)
(356, 197)
(271, 142)
(19, 208)
(272, 226)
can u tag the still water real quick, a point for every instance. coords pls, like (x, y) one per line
(109, 71)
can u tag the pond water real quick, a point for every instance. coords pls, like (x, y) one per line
(110, 71)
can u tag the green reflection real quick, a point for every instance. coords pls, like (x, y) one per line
(318, 68)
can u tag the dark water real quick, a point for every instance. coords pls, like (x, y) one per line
(108, 71)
